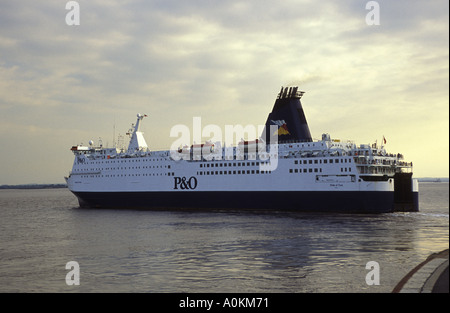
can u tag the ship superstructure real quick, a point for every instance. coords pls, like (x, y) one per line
(284, 169)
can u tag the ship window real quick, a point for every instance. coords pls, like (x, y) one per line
(331, 160)
(201, 165)
(305, 162)
(315, 161)
(316, 170)
(310, 170)
(253, 171)
(248, 171)
(295, 162)
(296, 170)
(290, 171)
(239, 172)
(310, 161)
(337, 160)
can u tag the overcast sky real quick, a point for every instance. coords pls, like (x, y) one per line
(223, 61)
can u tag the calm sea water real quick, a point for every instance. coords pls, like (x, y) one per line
(216, 251)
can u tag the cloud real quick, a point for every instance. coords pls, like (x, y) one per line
(224, 61)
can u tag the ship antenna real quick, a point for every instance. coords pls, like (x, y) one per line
(114, 132)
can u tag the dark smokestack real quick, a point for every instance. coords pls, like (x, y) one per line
(288, 115)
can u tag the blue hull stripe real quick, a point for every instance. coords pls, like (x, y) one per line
(315, 201)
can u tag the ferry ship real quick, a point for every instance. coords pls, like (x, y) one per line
(284, 169)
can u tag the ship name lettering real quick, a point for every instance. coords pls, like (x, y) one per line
(183, 183)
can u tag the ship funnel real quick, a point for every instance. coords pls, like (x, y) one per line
(288, 115)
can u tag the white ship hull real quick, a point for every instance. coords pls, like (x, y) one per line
(159, 182)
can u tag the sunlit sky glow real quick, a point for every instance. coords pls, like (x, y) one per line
(225, 62)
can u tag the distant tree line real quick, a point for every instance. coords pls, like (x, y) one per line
(33, 186)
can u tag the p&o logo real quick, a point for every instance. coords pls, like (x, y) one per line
(183, 183)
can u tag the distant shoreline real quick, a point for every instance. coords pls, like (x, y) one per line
(34, 186)
(53, 186)
(433, 180)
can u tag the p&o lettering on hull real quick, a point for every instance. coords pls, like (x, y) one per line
(185, 184)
